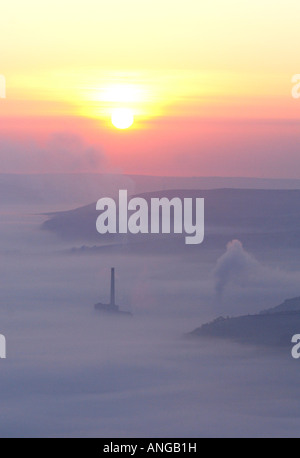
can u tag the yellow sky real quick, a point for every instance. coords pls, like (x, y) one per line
(257, 35)
(149, 93)
(174, 51)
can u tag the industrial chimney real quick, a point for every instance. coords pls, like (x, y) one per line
(111, 308)
(112, 286)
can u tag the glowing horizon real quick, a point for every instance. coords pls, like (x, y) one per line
(171, 71)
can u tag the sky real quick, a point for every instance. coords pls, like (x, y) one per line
(208, 86)
(153, 87)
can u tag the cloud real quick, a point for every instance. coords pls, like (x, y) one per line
(237, 266)
(62, 152)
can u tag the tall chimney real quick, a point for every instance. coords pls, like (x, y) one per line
(112, 286)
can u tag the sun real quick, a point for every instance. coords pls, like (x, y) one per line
(122, 118)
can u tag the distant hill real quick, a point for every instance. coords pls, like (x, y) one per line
(256, 217)
(289, 305)
(273, 327)
(81, 188)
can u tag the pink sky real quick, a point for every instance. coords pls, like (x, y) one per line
(166, 146)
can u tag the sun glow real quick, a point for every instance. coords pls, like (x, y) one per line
(122, 118)
(120, 93)
(148, 94)
(120, 102)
